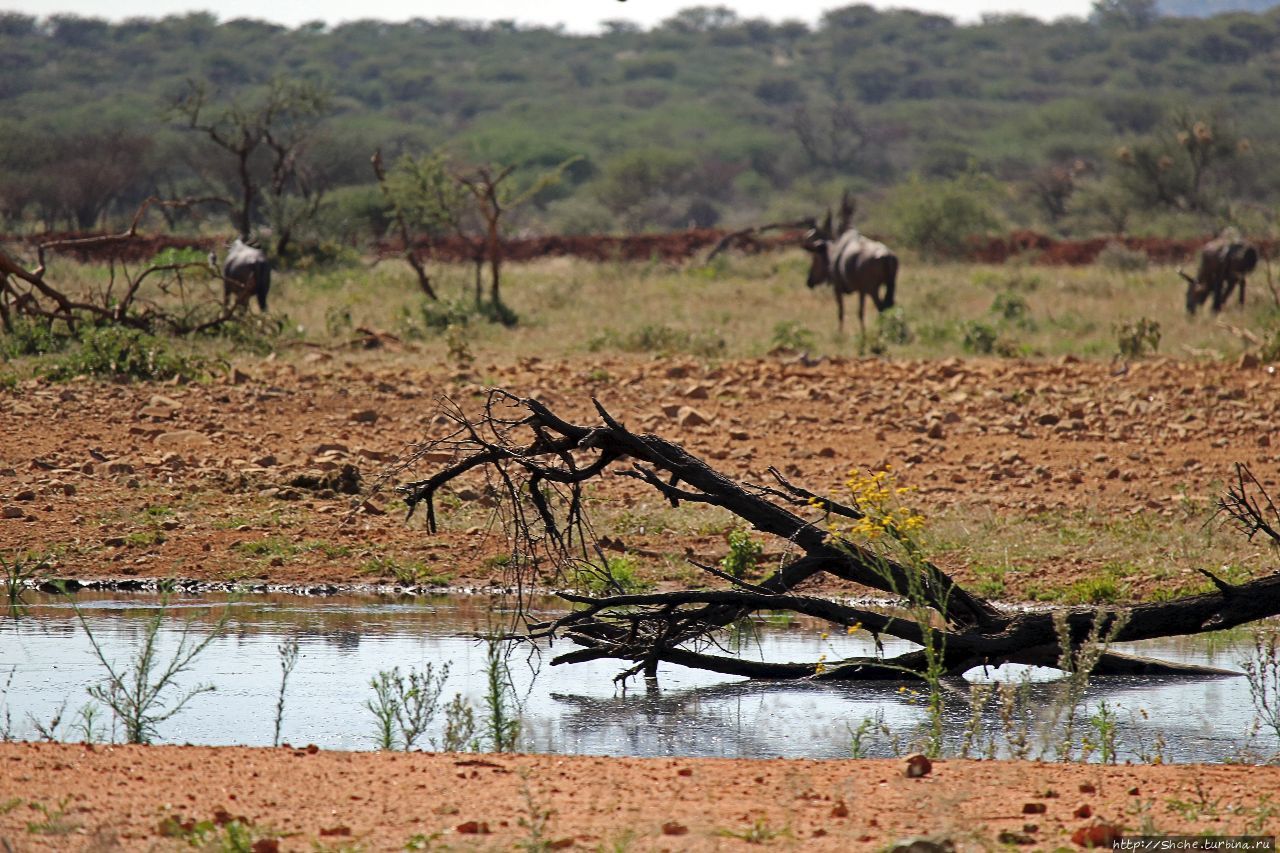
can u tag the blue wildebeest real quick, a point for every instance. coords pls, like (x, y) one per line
(1224, 263)
(853, 264)
(245, 273)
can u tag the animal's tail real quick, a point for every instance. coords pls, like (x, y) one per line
(262, 282)
(890, 281)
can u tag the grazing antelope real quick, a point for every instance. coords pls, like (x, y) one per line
(1224, 263)
(852, 263)
(245, 273)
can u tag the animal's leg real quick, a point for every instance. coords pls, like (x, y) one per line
(862, 313)
(839, 308)
(1242, 283)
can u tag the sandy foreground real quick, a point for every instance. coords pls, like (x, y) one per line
(241, 480)
(77, 797)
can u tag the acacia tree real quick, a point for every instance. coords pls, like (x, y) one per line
(495, 197)
(538, 465)
(267, 137)
(425, 202)
(1175, 167)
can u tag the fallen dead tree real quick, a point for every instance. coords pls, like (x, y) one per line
(538, 465)
(173, 293)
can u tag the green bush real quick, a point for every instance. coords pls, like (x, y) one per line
(791, 335)
(661, 339)
(979, 338)
(438, 316)
(938, 217)
(31, 337)
(892, 328)
(1138, 337)
(1011, 308)
(114, 351)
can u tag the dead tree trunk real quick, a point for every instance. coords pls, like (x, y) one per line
(539, 464)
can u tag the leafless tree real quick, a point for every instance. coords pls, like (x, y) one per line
(538, 465)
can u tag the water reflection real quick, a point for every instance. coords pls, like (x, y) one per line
(345, 641)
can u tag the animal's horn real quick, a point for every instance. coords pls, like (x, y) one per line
(826, 223)
(848, 204)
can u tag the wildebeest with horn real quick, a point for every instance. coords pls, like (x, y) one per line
(852, 263)
(245, 273)
(1224, 263)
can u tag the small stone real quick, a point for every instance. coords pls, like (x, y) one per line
(840, 810)
(924, 845)
(182, 438)
(1087, 788)
(1010, 837)
(697, 392)
(1248, 361)
(916, 766)
(673, 828)
(12, 512)
(685, 771)
(1099, 835)
(268, 461)
(687, 416)
(1083, 810)
(1034, 808)
(936, 431)
(363, 416)
(25, 495)
(473, 827)
(1048, 419)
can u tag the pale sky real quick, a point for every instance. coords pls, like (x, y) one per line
(576, 15)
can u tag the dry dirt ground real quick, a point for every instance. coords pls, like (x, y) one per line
(242, 479)
(75, 797)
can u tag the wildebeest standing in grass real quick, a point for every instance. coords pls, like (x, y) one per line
(852, 263)
(245, 273)
(1224, 263)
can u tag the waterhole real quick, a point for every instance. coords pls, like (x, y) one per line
(47, 663)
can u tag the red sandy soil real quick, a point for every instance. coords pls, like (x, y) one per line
(674, 247)
(135, 481)
(118, 797)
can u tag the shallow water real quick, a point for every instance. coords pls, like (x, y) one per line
(47, 659)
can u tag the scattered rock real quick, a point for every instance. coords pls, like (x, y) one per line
(687, 416)
(11, 512)
(363, 416)
(1083, 810)
(25, 495)
(1034, 808)
(1098, 835)
(673, 828)
(916, 766)
(1087, 788)
(1248, 361)
(924, 845)
(1048, 419)
(473, 827)
(840, 809)
(182, 438)
(1010, 837)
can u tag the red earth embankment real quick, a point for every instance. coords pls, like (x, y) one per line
(671, 247)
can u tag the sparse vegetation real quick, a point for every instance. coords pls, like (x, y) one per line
(141, 693)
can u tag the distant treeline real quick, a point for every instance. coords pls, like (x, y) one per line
(1127, 121)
